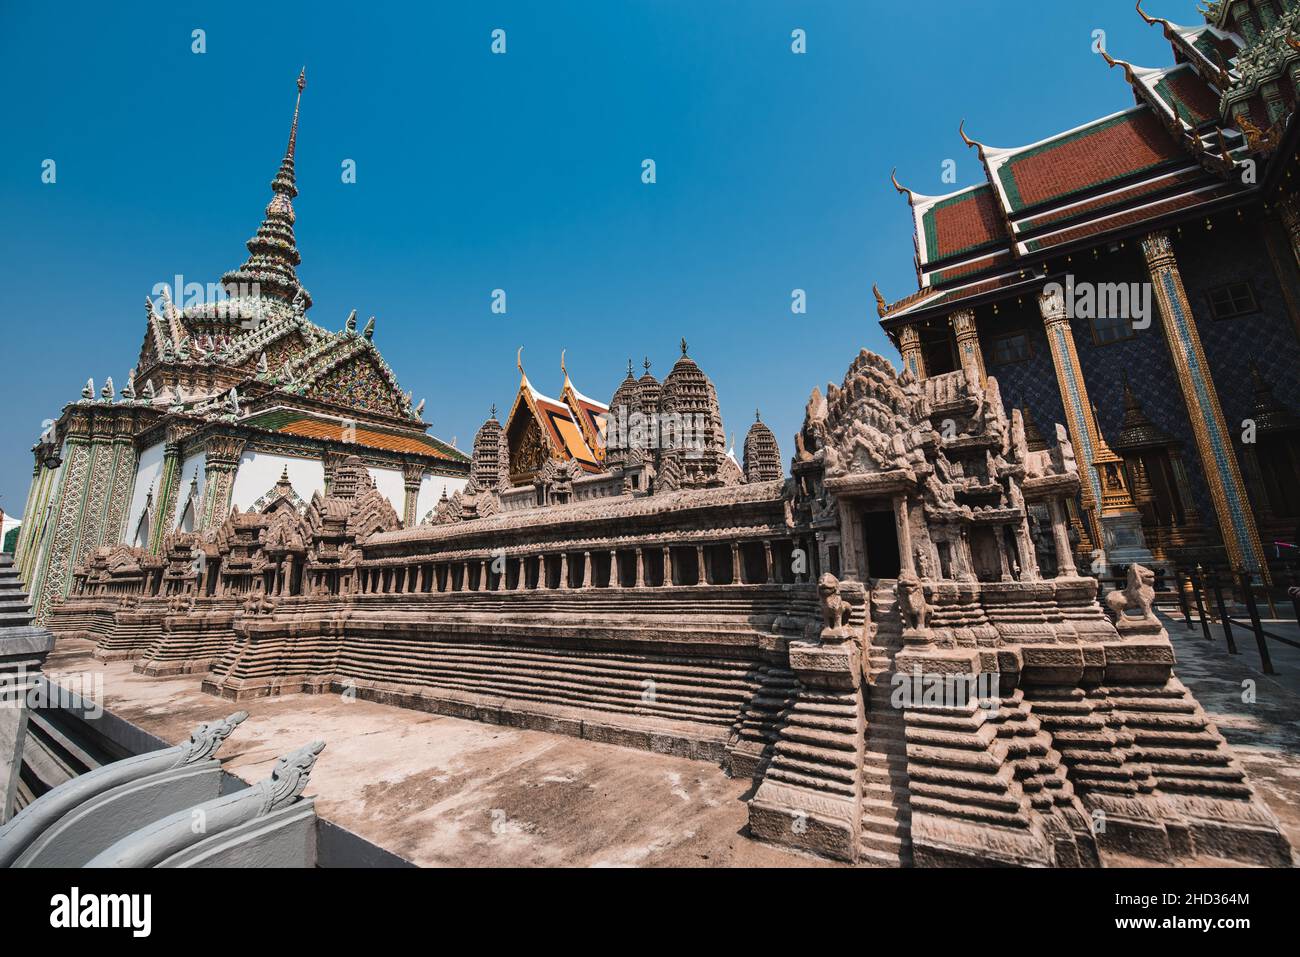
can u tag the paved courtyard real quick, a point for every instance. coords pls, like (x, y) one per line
(444, 791)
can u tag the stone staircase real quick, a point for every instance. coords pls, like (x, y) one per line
(885, 839)
(15, 609)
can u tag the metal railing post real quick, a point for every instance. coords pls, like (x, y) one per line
(1200, 606)
(1260, 639)
(1182, 599)
(1223, 612)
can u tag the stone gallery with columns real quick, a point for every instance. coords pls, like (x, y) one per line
(1136, 279)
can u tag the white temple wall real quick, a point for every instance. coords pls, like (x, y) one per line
(148, 472)
(190, 469)
(391, 484)
(431, 487)
(259, 471)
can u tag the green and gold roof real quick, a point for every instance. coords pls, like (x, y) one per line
(1175, 155)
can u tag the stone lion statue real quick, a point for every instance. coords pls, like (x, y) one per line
(835, 610)
(1138, 595)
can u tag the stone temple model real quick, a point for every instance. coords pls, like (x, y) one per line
(905, 660)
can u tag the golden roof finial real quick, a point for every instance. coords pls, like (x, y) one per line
(961, 131)
(519, 362)
(893, 178)
(1142, 13)
(1111, 61)
(882, 307)
(563, 370)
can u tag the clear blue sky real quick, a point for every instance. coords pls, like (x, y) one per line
(521, 171)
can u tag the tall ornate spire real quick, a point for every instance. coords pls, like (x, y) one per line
(273, 254)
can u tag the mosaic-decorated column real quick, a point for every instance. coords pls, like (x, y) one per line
(411, 476)
(909, 345)
(1074, 395)
(219, 467)
(168, 490)
(54, 570)
(1213, 441)
(968, 345)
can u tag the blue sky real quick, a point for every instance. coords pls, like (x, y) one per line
(519, 171)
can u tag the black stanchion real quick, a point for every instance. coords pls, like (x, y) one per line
(1260, 638)
(1183, 584)
(1223, 612)
(1200, 606)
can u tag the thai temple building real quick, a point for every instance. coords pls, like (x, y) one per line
(897, 634)
(233, 404)
(1135, 278)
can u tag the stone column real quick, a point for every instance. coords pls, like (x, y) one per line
(668, 566)
(702, 577)
(219, 467)
(522, 581)
(412, 474)
(968, 346)
(1061, 536)
(613, 569)
(1074, 399)
(735, 563)
(564, 570)
(541, 572)
(909, 346)
(585, 578)
(769, 565)
(168, 490)
(640, 568)
(902, 524)
(1213, 440)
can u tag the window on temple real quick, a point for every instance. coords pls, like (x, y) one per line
(1107, 329)
(1234, 299)
(1011, 348)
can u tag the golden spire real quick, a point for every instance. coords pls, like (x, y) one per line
(293, 129)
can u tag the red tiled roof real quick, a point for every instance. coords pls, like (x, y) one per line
(1103, 152)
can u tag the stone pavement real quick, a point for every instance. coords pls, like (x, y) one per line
(441, 791)
(1258, 714)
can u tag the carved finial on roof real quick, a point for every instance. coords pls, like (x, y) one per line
(629, 367)
(351, 324)
(88, 390)
(1128, 67)
(419, 409)
(369, 330)
(758, 416)
(893, 178)
(107, 392)
(519, 362)
(882, 307)
(961, 130)
(261, 362)
(563, 371)
(683, 345)
(1142, 13)
(493, 413)
(647, 365)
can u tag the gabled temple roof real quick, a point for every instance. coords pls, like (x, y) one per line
(1163, 159)
(572, 427)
